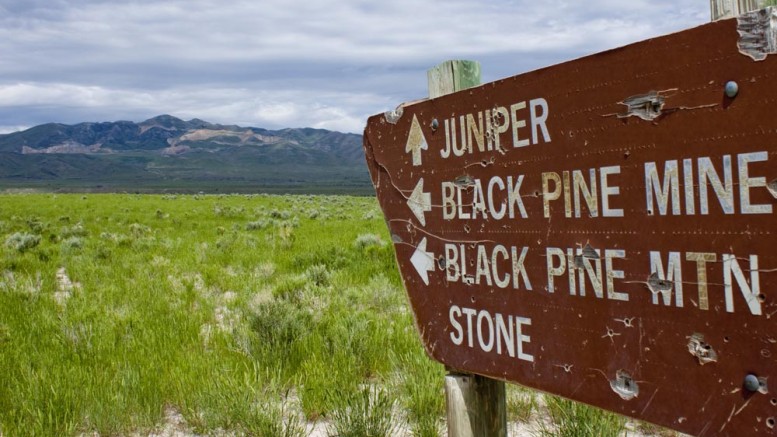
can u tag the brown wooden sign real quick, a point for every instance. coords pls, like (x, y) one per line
(603, 229)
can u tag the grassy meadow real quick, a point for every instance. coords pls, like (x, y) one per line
(237, 311)
(242, 314)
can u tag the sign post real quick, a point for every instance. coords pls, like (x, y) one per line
(720, 9)
(603, 229)
(475, 404)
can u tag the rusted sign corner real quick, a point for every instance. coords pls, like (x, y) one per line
(375, 169)
(758, 33)
(394, 115)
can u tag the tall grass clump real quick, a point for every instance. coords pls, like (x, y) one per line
(521, 403)
(291, 288)
(421, 384)
(275, 420)
(246, 411)
(574, 419)
(344, 349)
(367, 413)
(280, 326)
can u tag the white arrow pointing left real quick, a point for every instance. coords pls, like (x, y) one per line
(423, 261)
(420, 202)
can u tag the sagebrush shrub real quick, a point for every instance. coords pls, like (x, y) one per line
(76, 230)
(256, 225)
(364, 241)
(22, 242)
(278, 324)
(318, 274)
(73, 243)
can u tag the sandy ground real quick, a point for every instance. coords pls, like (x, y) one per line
(175, 426)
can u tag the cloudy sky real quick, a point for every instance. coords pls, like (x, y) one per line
(287, 63)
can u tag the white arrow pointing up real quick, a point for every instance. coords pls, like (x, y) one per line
(423, 261)
(416, 142)
(420, 202)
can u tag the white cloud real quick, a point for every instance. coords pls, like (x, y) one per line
(268, 109)
(10, 129)
(328, 63)
(31, 94)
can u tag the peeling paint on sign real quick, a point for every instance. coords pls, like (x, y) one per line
(645, 106)
(701, 350)
(394, 115)
(624, 386)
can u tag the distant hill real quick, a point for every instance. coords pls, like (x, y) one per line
(166, 154)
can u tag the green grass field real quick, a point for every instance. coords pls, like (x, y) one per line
(230, 309)
(250, 314)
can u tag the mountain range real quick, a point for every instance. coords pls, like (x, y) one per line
(167, 154)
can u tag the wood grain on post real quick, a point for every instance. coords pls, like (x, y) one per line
(722, 9)
(452, 76)
(475, 404)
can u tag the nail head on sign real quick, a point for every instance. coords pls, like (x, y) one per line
(732, 89)
(751, 383)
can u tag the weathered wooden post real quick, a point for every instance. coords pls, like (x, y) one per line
(452, 76)
(475, 404)
(721, 9)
